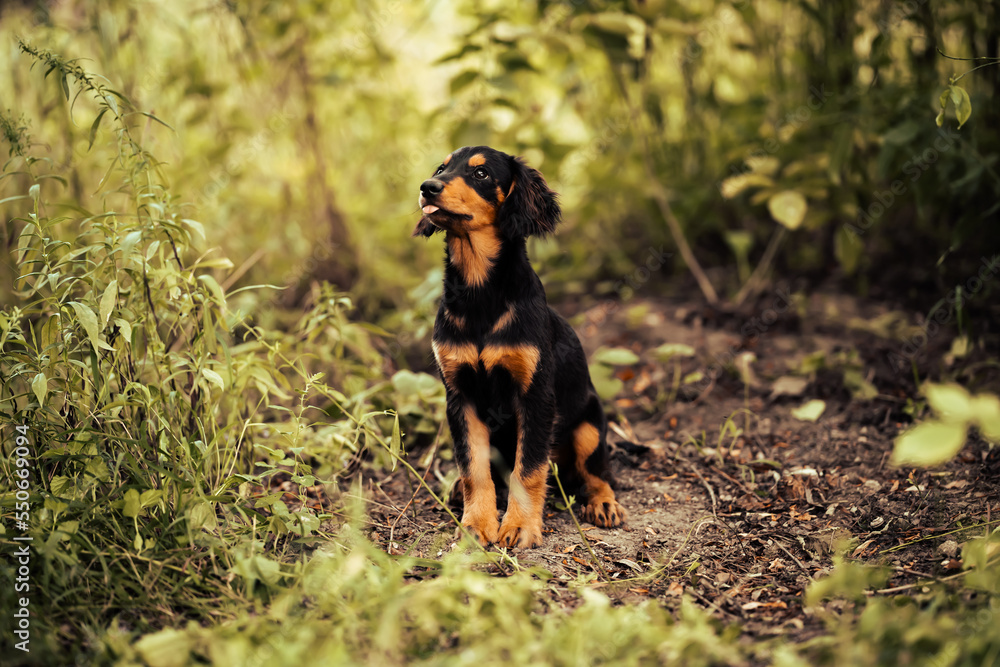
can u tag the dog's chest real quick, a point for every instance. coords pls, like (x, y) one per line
(469, 367)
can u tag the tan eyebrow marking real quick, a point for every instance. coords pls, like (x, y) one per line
(477, 160)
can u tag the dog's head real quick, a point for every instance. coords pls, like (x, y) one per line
(477, 187)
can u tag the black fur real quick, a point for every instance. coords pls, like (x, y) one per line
(489, 200)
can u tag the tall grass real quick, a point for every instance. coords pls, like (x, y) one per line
(156, 412)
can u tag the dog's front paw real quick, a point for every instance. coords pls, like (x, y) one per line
(521, 534)
(604, 511)
(482, 527)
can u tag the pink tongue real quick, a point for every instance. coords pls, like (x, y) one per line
(430, 208)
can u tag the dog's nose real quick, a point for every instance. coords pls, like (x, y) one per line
(431, 186)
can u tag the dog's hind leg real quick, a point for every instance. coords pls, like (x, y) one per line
(590, 463)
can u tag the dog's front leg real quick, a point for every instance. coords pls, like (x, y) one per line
(472, 450)
(522, 523)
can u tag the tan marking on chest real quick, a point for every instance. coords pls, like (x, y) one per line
(521, 361)
(452, 356)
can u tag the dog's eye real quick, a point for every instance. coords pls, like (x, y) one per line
(439, 170)
(480, 174)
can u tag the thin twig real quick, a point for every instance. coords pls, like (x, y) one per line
(792, 556)
(664, 204)
(711, 493)
(751, 287)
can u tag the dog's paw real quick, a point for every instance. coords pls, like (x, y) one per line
(482, 528)
(524, 535)
(604, 511)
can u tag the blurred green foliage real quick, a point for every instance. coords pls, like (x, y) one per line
(300, 130)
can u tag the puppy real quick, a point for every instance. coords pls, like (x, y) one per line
(515, 373)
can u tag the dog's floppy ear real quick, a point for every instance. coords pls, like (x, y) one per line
(530, 207)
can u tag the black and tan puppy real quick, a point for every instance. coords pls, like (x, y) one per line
(515, 373)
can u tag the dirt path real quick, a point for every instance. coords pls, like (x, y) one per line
(731, 499)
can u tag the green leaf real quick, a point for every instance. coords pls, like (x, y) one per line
(902, 134)
(606, 384)
(125, 327)
(93, 128)
(408, 383)
(985, 411)
(150, 497)
(88, 320)
(108, 302)
(963, 105)
(693, 377)
(40, 385)
(950, 402)
(929, 444)
(668, 351)
(214, 378)
(196, 226)
(216, 289)
(166, 648)
(788, 207)
(462, 80)
(740, 241)
(202, 516)
(809, 411)
(132, 504)
(615, 356)
(268, 570)
(128, 245)
(158, 120)
(734, 185)
(24, 241)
